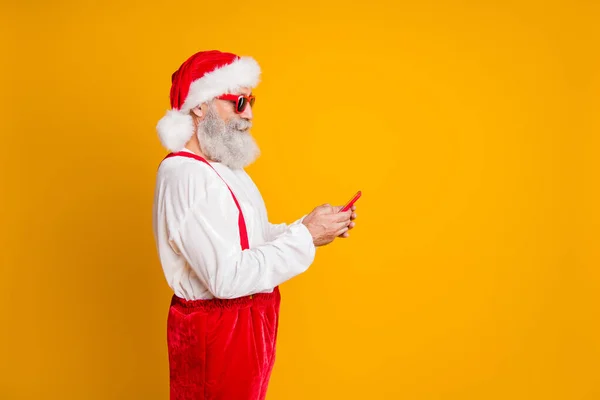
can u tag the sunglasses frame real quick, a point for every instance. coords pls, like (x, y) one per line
(237, 100)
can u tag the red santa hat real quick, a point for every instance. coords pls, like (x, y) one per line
(202, 77)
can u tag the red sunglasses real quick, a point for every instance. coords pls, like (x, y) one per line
(241, 101)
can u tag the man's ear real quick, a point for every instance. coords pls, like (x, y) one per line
(197, 111)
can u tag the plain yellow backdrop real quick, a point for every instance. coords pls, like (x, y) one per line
(470, 126)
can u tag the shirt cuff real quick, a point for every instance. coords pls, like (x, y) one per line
(298, 228)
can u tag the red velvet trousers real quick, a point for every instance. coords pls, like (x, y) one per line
(222, 349)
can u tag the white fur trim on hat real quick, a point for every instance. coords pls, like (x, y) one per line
(176, 128)
(244, 71)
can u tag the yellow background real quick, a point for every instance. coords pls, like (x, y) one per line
(471, 128)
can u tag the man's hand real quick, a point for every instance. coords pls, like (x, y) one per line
(325, 223)
(352, 223)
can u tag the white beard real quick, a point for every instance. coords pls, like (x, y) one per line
(227, 143)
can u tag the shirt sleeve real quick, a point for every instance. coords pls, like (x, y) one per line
(274, 230)
(208, 238)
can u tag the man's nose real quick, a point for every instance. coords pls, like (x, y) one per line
(247, 113)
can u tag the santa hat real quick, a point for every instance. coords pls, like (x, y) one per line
(202, 77)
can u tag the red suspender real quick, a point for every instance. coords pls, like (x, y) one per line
(241, 222)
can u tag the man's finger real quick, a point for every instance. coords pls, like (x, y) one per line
(342, 216)
(340, 225)
(341, 231)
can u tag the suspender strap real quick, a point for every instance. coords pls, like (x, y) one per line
(241, 221)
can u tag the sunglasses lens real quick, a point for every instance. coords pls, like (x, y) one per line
(252, 100)
(241, 104)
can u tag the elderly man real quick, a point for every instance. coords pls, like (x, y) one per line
(220, 254)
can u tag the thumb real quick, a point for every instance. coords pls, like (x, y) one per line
(326, 207)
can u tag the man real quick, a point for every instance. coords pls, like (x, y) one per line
(220, 254)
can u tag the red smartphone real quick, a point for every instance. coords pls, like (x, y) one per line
(351, 202)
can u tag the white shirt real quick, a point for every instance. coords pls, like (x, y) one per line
(195, 223)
